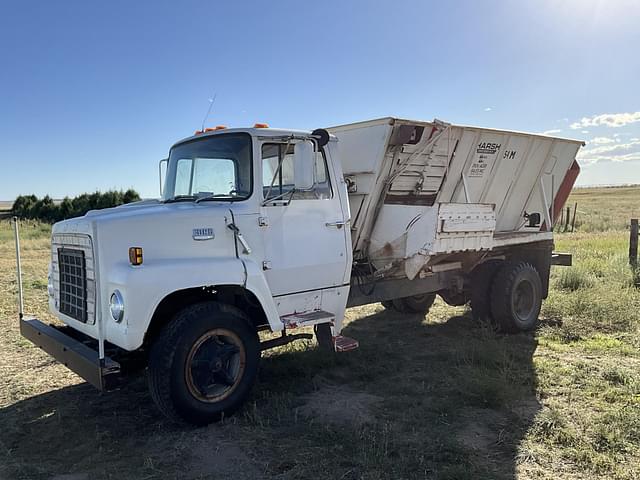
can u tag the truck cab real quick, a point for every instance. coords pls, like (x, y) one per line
(252, 222)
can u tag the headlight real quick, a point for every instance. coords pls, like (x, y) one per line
(116, 305)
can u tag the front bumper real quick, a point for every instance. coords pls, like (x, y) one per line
(74, 353)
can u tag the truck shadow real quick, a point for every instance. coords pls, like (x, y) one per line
(416, 400)
(467, 392)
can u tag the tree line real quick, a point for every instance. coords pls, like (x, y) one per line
(44, 209)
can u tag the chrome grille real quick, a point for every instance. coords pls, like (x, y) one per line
(73, 283)
(67, 276)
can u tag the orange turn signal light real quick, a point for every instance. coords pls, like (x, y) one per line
(135, 255)
(261, 125)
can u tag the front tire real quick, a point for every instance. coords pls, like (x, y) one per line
(516, 297)
(203, 364)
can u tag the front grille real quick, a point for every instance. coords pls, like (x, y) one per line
(73, 283)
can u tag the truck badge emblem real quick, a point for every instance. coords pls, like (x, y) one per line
(203, 234)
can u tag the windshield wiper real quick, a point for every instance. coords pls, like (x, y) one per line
(209, 197)
(217, 196)
(180, 198)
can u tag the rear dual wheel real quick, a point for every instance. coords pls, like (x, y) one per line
(516, 297)
(507, 294)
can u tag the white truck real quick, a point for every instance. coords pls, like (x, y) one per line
(261, 229)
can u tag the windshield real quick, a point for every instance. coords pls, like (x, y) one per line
(216, 167)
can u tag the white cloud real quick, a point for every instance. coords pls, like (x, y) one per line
(607, 119)
(551, 132)
(610, 152)
(601, 140)
(585, 131)
(487, 109)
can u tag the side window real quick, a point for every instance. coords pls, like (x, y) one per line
(322, 185)
(279, 181)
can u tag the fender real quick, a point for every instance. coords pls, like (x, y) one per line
(157, 279)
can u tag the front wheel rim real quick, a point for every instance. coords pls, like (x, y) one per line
(215, 365)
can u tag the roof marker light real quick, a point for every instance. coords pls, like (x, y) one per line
(261, 125)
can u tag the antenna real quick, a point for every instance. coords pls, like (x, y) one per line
(211, 102)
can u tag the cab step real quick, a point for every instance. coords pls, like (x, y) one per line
(295, 320)
(345, 344)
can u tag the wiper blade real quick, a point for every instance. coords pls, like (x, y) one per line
(215, 197)
(180, 198)
(209, 197)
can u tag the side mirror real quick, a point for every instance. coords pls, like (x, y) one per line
(303, 166)
(166, 163)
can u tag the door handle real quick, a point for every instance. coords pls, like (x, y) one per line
(339, 224)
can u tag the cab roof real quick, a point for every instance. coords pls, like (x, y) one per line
(253, 131)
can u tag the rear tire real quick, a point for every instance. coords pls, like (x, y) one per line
(415, 304)
(203, 363)
(516, 297)
(481, 279)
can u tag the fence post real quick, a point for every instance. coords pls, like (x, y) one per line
(561, 216)
(633, 243)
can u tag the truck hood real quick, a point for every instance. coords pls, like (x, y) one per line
(163, 230)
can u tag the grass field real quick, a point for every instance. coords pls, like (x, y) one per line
(440, 397)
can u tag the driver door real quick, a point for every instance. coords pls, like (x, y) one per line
(305, 239)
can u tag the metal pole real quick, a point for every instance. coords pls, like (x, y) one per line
(19, 267)
(633, 243)
(553, 203)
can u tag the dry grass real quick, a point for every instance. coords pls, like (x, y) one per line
(605, 209)
(440, 397)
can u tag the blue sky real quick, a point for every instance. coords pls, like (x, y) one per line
(92, 94)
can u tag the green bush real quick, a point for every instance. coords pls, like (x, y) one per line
(573, 279)
(31, 207)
